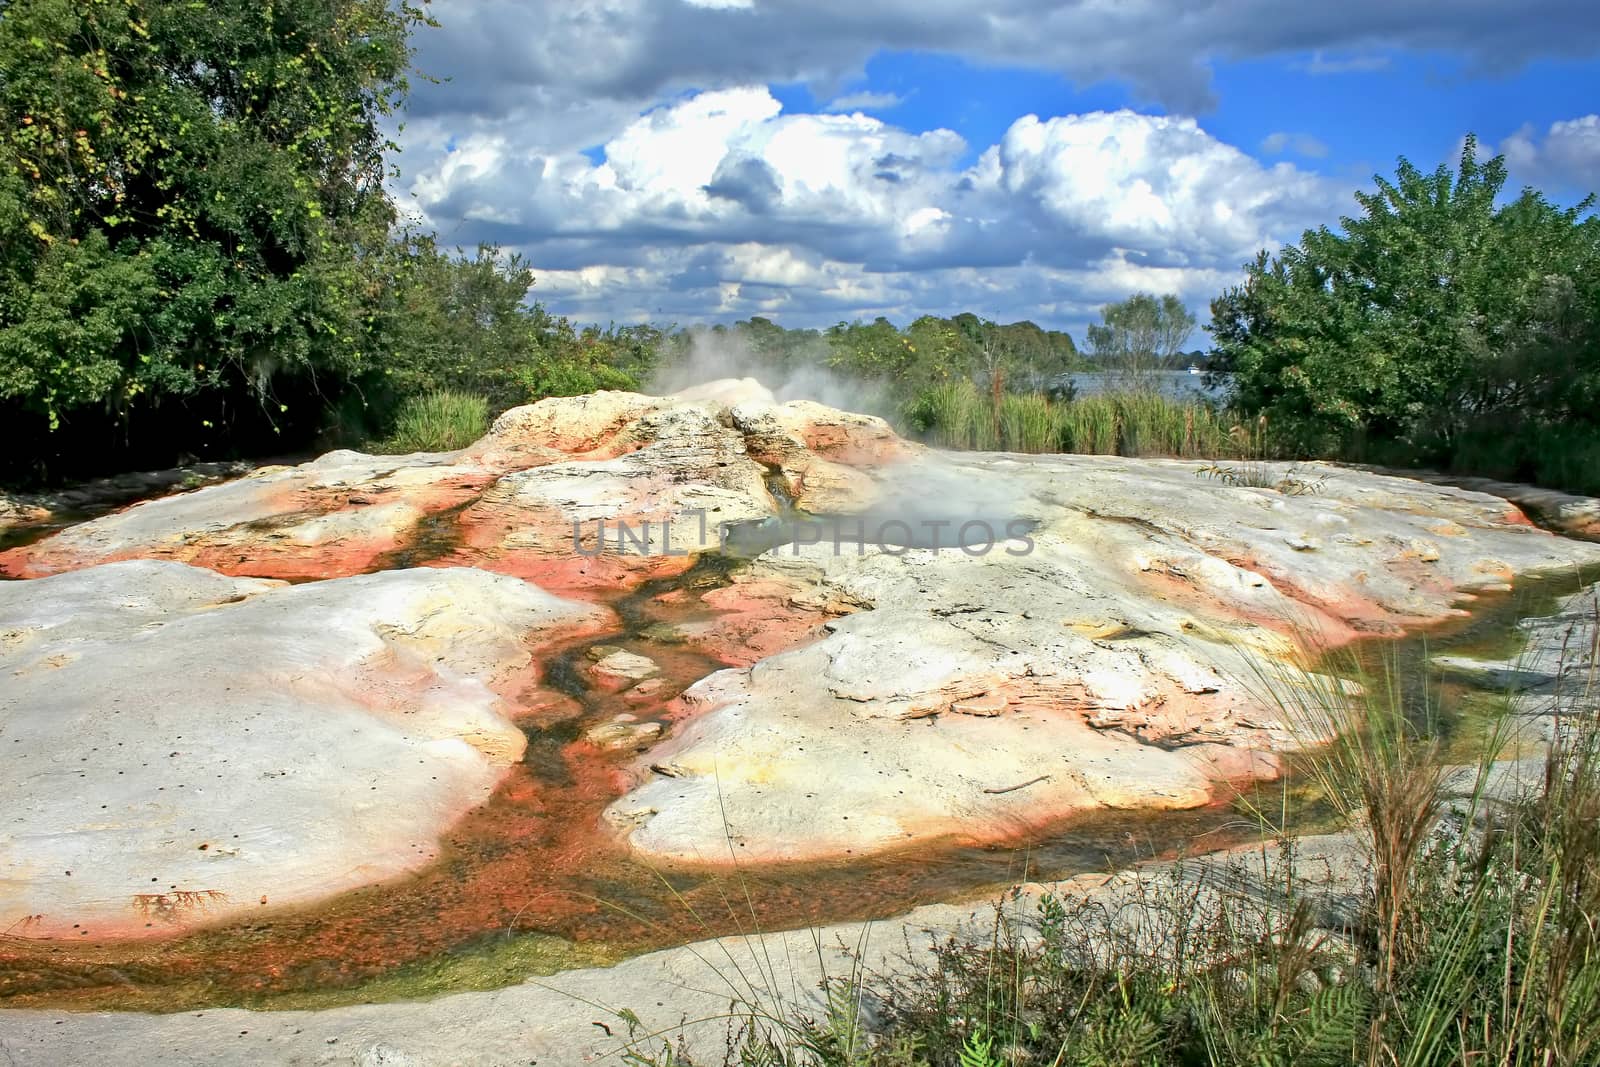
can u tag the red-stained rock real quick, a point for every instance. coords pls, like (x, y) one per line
(249, 740)
(1099, 654)
(1115, 661)
(336, 516)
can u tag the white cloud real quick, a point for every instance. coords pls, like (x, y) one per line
(1357, 64)
(1156, 184)
(865, 101)
(722, 204)
(1565, 159)
(720, 165)
(851, 214)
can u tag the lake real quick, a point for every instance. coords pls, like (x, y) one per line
(1179, 385)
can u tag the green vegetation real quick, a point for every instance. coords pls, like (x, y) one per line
(198, 257)
(1140, 336)
(197, 254)
(1472, 938)
(438, 422)
(185, 194)
(1442, 326)
(957, 415)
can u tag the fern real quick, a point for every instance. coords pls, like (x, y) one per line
(759, 1053)
(844, 1035)
(1331, 1026)
(978, 1051)
(1129, 1038)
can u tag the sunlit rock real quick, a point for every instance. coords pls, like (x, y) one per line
(595, 492)
(335, 516)
(925, 646)
(1117, 655)
(15, 511)
(181, 747)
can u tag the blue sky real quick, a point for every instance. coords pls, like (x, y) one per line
(1365, 109)
(706, 160)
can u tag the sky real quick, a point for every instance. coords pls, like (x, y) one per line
(819, 161)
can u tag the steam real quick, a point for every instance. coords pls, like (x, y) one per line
(934, 501)
(803, 375)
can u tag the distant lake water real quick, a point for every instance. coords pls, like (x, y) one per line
(1177, 384)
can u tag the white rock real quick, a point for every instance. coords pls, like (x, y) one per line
(1117, 662)
(187, 745)
(621, 666)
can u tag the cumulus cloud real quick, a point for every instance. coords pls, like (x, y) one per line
(1156, 184)
(620, 144)
(721, 166)
(1564, 158)
(721, 204)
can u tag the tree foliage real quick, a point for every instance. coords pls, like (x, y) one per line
(1436, 316)
(190, 196)
(223, 158)
(932, 351)
(1139, 336)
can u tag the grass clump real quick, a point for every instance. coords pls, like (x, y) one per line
(441, 421)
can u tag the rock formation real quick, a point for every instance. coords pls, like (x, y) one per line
(1118, 662)
(180, 746)
(928, 646)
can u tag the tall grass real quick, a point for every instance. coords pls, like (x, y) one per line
(437, 422)
(958, 415)
(1027, 423)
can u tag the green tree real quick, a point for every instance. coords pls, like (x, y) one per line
(457, 322)
(1027, 357)
(1423, 321)
(875, 351)
(1140, 336)
(191, 200)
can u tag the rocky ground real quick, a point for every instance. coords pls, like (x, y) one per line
(681, 996)
(266, 692)
(182, 746)
(57, 505)
(1555, 670)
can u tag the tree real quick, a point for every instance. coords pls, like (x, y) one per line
(874, 351)
(1430, 315)
(1030, 357)
(1139, 336)
(452, 321)
(191, 204)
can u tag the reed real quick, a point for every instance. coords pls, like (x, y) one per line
(958, 415)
